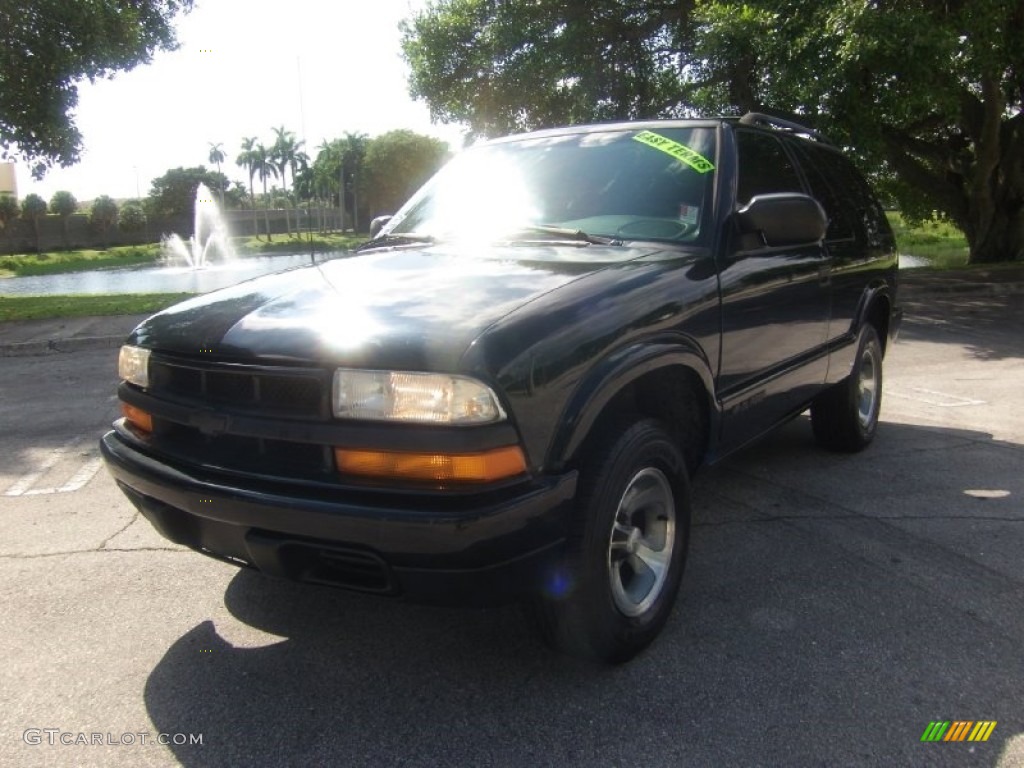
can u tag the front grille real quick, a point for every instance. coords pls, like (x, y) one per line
(283, 458)
(255, 391)
(301, 393)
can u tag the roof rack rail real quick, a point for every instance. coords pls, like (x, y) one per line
(767, 121)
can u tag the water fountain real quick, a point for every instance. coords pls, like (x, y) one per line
(204, 262)
(209, 233)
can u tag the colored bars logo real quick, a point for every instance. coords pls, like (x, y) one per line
(958, 730)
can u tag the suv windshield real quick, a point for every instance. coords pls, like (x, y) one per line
(618, 184)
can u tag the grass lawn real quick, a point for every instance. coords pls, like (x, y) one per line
(941, 244)
(39, 307)
(319, 242)
(54, 262)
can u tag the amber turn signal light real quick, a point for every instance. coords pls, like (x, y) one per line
(137, 417)
(484, 467)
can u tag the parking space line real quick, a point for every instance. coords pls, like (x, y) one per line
(24, 486)
(933, 397)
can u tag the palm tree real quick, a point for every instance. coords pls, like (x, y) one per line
(246, 159)
(63, 203)
(217, 156)
(325, 174)
(263, 167)
(282, 154)
(104, 214)
(353, 156)
(299, 164)
(33, 208)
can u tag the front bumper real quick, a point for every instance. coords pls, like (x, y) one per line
(425, 547)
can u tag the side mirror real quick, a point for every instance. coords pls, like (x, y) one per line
(784, 218)
(378, 224)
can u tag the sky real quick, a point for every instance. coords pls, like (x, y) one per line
(318, 67)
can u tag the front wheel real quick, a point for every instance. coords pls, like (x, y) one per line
(627, 548)
(845, 417)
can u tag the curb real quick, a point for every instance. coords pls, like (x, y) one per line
(909, 290)
(58, 346)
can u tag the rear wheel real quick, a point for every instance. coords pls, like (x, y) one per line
(627, 549)
(845, 417)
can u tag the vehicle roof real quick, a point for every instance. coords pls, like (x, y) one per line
(750, 121)
(622, 125)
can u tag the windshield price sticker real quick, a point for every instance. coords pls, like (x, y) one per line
(680, 152)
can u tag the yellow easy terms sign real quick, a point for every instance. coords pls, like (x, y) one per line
(680, 152)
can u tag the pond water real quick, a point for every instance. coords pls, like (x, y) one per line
(153, 279)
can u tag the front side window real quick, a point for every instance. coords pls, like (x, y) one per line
(764, 167)
(623, 185)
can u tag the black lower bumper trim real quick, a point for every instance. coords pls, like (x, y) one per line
(493, 553)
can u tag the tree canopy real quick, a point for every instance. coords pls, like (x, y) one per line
(51, 45)
(103, 215)
(927, 93)
(131, 218)
(396, 164)
(174, 193)
(63, 203)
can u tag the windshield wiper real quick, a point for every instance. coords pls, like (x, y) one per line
(398, 239)
(564, 233)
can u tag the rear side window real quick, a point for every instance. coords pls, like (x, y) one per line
(839, 207)
(764, 167)
(855, 195)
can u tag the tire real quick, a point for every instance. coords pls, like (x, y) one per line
(845, 417)
(627, 547)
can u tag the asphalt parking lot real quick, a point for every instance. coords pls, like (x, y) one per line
(833, 606)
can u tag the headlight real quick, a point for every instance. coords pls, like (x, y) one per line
(133, 365)
(428, 398)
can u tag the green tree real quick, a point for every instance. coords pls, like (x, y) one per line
(63, 204)
(298, 164)
(235, 196)
(263, 166)
(131, 218)
(217, 157)
(9, 213)
(103, 215)
(928, 93)
(506, 67)
(353, 161)
(174, 193)
(397, 164)
(286, 153)
(245, 160)
(49, 46)
(33, 208)
(327, 173)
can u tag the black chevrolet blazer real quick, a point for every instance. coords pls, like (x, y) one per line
(505, 392)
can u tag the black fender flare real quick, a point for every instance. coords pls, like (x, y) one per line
(610, 376)
(876, 290)
(841, 355)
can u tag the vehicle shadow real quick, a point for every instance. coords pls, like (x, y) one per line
(990, 327)
(828, 614)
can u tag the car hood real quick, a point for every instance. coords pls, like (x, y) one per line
(402, 308)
